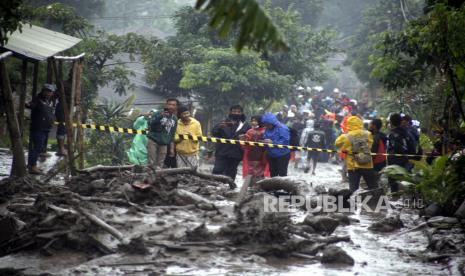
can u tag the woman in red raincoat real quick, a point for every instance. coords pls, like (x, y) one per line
(255, 163)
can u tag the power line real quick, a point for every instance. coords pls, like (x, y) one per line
(130, 17)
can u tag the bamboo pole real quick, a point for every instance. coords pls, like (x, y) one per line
(18, 167)
(80, 135)
(22, 97)
(35, 79)
(66, 109)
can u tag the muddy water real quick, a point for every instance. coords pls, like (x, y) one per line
(6, 160)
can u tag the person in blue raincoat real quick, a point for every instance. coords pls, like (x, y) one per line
(276, 133)
(137, 154)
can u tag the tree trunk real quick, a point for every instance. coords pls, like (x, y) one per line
(18, 167)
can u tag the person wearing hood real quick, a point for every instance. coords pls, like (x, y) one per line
(255, 163)
(137, 154)
(228, 156)
(357, 142)
(276, 133)
(42, 118)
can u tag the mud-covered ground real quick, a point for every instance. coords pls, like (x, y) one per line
(175, 233)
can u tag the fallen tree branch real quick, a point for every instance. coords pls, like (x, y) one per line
(97, 221)
(106, 168)
(191, 198)
(132, 264)
(207, 176)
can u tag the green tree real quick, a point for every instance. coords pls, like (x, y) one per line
(384, 16)
(430, 46)
(310, 10)
(221, 78)
(255, 28)
(310, 49)
(11, 14)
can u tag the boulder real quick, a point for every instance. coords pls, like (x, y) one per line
(322, 224)
(335, 255)
(342, 218)
(320, 189)
(388, 224)
(460, 213)
(432, 210)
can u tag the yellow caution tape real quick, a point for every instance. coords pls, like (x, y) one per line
(111, 129)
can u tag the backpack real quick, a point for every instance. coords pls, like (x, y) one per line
(360, 149)
(294, 137)
(400, 144)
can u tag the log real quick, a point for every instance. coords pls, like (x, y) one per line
(62, 210)
(106, 168)
(207, 176)
(175, 171)
(217, 177)
(111, 201)
(280, 183)
(102, 224)
(332, 239)
(171, 207)
(191, 197)
(304, 256)
(132, 264)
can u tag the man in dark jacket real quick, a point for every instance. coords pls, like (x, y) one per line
(162, 129)
(41, 123)
(315, 139)
(228, 156)
(399, 142)
(276, 133)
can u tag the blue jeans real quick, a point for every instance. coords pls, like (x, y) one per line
(37, 144)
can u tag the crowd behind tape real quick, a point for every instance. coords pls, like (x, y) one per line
(226, 141)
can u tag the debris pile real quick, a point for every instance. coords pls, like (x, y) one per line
(78, 216)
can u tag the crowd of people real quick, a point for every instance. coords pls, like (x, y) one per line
(347, 132)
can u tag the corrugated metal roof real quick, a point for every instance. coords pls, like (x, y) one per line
(39, 43)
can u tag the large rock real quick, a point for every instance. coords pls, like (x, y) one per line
(341, 193)
(432, 210)
(342, 218)
(335, 255)
(322, 224)
(460, 213)
(320, 189)
(388, 224)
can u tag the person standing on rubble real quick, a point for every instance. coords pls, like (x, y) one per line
(42, 118)
(228, 156)
(187, 151)
(162, 129)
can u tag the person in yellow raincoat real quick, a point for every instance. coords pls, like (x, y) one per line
(137, 154)
(356, 170)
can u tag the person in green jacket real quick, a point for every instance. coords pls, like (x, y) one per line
(162, 129)
(137, 154)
